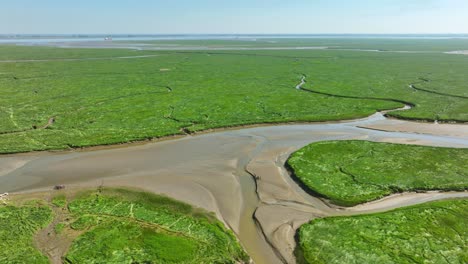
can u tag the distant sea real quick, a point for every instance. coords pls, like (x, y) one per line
(44, 38)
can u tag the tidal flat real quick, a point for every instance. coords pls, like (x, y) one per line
(237, 174)
(213, 129)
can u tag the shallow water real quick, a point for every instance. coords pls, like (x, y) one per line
(238, 174)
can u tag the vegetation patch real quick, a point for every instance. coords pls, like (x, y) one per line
(60, 201)
(18, 225)
(115, 226)
(353, 172)
(130, 227)
(63, 102)
(434, 232)
(59, 228)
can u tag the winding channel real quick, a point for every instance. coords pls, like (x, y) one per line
(238, 174)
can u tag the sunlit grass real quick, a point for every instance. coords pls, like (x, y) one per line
(434, 232)
(117, 226)
(353, 172)
(98, 102)
(18, 225)
(123, 226)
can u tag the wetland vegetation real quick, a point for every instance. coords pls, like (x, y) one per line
(434, 232)
(117, 226)
(55, 98)
(353, 172)
(18, 225)
(64, 102)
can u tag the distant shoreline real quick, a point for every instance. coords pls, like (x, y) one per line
(231, 36)
(56, 38)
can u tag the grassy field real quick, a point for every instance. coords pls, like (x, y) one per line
(57, 104)
(129, 227)
(18, 225)
(11, 52)
(434, 232)
(353, 172)
(119, 226)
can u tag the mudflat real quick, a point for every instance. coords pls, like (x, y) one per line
(234, 173)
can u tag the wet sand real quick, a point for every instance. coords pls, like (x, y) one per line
(238, 174)
(140, 45)
(452, 130)
(9, 164)
(135, 45)
(459, 52)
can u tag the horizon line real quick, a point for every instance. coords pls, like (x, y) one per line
(216, 34)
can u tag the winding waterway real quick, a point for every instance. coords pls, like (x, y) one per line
(239, 174)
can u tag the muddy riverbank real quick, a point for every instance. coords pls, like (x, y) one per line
(238, 174)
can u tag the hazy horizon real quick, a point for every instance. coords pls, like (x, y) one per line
(231, 34)
(242, 17)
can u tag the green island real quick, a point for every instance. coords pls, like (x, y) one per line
(353, 172)
(115, 226)
(434, 232)
(55, 98)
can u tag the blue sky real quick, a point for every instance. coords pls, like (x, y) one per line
(234, 17)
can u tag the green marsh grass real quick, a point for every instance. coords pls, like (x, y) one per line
(353, 172)
(110, 101)
(122, 226)
(117, 226)
(18, 225)
(434, 232)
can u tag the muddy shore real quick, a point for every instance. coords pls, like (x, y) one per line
(238, 174)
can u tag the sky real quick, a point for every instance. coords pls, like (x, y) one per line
(233, 16)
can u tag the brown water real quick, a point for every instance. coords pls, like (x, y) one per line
(216, 171)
